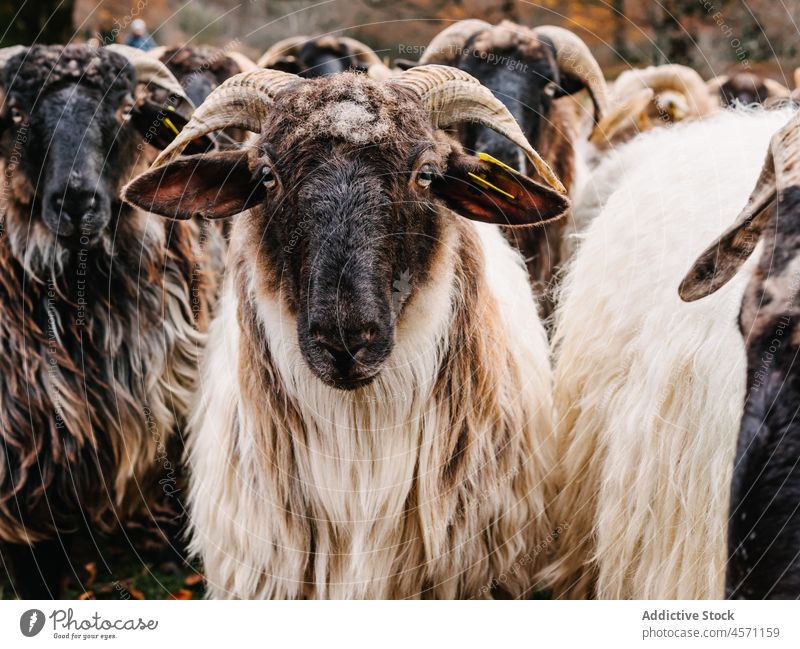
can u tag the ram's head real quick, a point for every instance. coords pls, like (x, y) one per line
(347, 188)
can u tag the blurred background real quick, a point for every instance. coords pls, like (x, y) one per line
(713, 36)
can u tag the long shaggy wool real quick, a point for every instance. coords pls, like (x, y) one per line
(432, 481)
(649, 390)
(99, 349)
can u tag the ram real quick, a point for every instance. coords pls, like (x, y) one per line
(318, 57)
(528, 70)
(679, 94)
(648, 389)
(375, 415)
(745, 89)
(101, 303)
(764, 521)
(201, 68)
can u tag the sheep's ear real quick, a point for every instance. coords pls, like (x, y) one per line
(484, 189)
(718, 263)
(214, 185)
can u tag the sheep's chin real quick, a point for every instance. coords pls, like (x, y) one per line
(346, 384)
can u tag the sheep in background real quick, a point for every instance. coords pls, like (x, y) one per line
(764, 521)
(201, 68)
(649, 390)
(375, 419)
(528, 70)
(745, 89)
(101, 303)
(317, 57)
(679, 94)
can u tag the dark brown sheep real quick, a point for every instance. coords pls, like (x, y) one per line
(102, 306)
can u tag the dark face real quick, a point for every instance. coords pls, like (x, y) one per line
(764, 533)
(352, 229)
(199, 69)
(72, 141)
(745, 89)
(345, 189)
(521, 83)
(322, 60)
(198, 85)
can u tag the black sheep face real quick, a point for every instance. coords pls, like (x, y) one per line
(743, 89)
(764, 525)
(520, 75)
(64, 122)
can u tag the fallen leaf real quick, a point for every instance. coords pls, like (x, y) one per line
(136, 593)
(91, 572)
(194, 579)
(181, 593)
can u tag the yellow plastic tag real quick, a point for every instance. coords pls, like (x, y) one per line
(487, 185)
(498, 163)
(172, 126)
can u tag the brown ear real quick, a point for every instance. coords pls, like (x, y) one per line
(214, 185)
(722, 259)
(484, 189)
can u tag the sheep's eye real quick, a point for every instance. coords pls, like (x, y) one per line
(268, 177)
(425, 175)
(17, 116)
(125, 110)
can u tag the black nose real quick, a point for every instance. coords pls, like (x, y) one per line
(346, 347)
(74, 206)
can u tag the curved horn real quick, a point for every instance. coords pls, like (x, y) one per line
(150, 70)
(362, 52)
(621, 116)
(157, 52)
(240, 102)
(245, 63)
(714, 87)
(446, 46)
(775, 89)
(452, 96)
(667, 77)
(286, 47)
(7, 52)
(574, 58)
(379, 72)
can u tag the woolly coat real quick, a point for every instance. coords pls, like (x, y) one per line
(432, 481)
(649, 390)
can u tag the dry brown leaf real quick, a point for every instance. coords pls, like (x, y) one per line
(91, 572)
(181, 593)
(135, 593)
(194, 579)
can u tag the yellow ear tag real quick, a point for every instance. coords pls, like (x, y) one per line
(172, 126)
(487, 185)
(484, 183)
(497, 163)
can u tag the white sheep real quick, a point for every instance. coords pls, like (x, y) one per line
(375, 415)
(649, 390)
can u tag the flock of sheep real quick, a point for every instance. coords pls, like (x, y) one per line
(380, 392)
